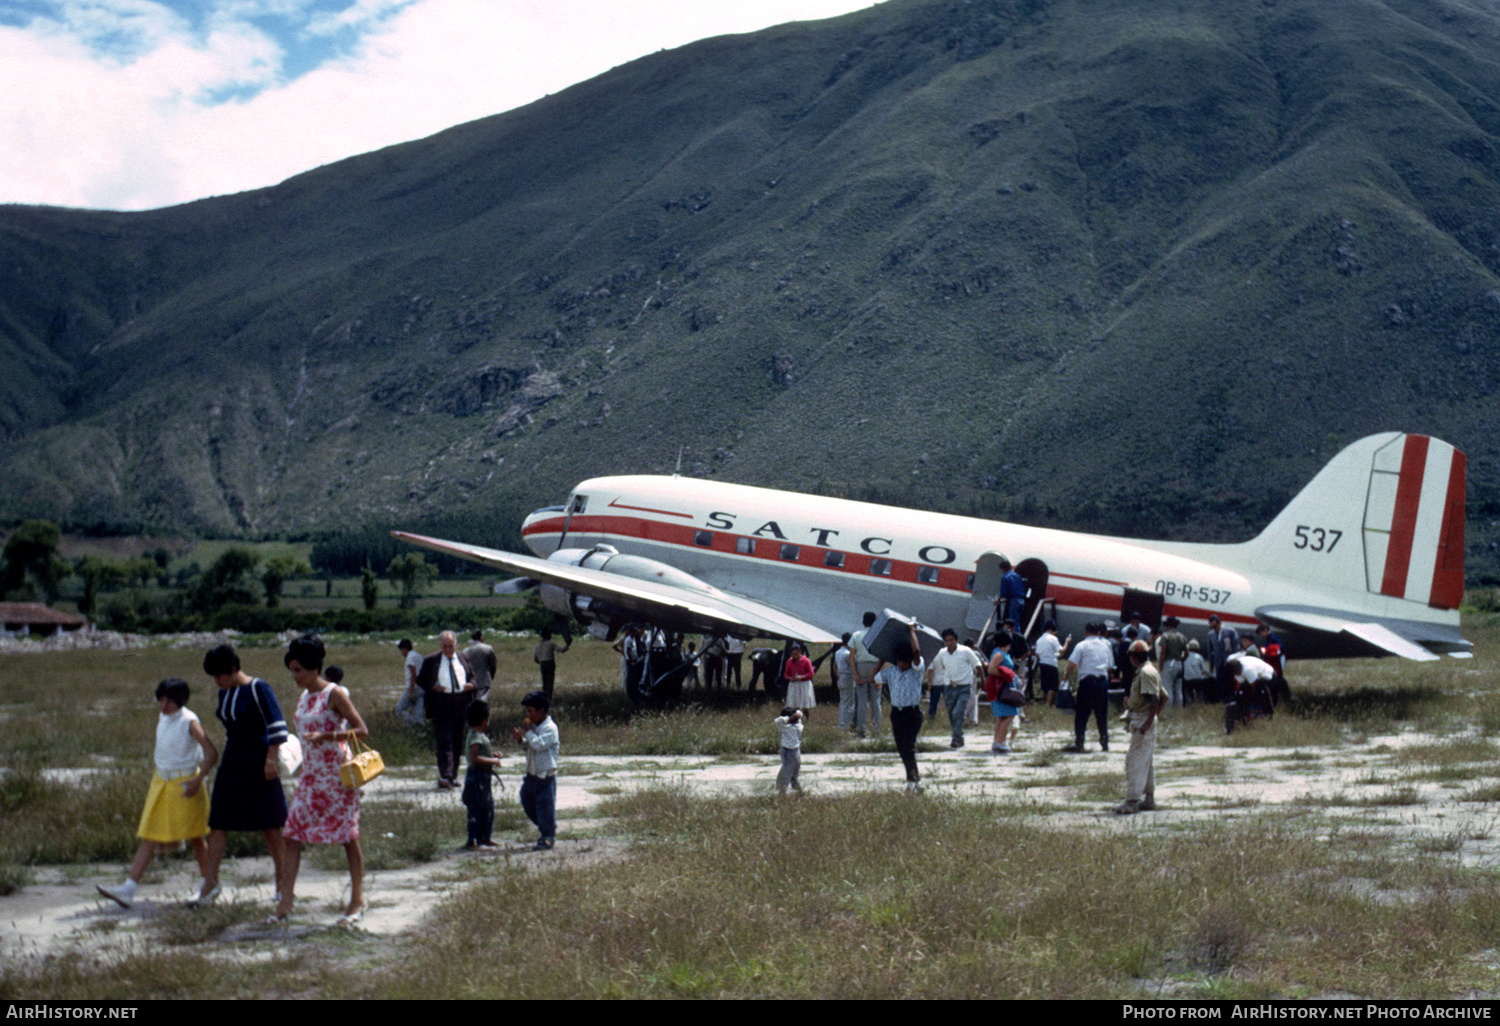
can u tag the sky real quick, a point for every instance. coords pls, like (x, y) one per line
(134, 104)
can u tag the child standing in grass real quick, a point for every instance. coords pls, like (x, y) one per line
(538, 735)
(176, 803)
(791, 726)
(478, 798)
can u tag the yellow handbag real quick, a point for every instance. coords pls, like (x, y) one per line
(364, 767)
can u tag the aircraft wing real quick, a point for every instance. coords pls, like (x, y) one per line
(710, 611)
(1395, 637)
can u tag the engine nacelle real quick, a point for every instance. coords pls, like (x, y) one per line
(588, 610)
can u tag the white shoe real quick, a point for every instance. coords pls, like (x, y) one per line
(204, 898)
(124, 895)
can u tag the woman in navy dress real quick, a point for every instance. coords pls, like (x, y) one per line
(247, 791)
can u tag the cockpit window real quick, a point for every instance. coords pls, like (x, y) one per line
(580, 503)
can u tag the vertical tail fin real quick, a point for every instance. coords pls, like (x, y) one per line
(1384, 516)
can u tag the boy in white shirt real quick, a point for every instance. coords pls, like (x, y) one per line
(791, 726)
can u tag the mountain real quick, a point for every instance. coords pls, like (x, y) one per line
(1135, 266)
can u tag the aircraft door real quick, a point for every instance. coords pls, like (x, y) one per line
(1035, 572)
(987, 575)
(1148, 603)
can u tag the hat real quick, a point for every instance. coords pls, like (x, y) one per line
(1172, 621)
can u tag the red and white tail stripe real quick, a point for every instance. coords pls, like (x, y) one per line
(1414, 522)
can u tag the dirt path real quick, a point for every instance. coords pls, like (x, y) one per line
(1365, 786)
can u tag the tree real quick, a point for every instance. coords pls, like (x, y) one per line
(412, 574)
(97, 573)
(278, 569)
(369, 588)
(142, 571)
(229, 580)
(30, 554)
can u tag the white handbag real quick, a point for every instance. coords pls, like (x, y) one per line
(289, 757)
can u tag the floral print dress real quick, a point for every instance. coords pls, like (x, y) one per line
(323, 811)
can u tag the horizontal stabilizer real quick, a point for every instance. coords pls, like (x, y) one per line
(1409, 639)
(709, 611)
(1384, 637)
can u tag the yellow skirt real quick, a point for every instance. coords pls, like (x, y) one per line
(168, 816)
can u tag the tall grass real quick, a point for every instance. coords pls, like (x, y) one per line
(885, 896)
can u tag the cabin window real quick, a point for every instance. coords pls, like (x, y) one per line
(834, 559)
(880, 567)
(745, 546)
(791, 552)
(927, 574)
(704, 538)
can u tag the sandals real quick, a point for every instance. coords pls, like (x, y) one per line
(349, 919)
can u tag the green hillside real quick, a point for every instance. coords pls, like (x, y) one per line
(1127, 265)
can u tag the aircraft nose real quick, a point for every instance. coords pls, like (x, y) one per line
(542, 528)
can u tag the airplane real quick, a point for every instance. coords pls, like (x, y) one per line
(1367, 560)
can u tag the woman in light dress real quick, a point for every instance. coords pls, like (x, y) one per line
(323, 811)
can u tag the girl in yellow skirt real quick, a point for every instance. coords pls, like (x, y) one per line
(177, 804)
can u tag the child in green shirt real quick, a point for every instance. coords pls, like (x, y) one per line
(478, 799)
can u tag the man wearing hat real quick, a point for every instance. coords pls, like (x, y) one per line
(537, 734)
(1142, 705)
(1173, 650)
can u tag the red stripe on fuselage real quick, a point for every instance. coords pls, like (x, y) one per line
(812, 557)
(1404, 520)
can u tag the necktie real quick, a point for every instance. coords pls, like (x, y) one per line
(452, 677)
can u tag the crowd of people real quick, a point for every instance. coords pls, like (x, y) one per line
(1149, 668)
(261, 749)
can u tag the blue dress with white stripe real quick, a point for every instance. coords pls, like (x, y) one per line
(243, 798)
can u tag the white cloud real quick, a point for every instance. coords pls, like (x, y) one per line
(86, 130)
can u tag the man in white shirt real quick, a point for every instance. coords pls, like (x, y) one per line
(1252, 678)
(734, 654)
(1048, 648)
(866, 691)
(1095, 659)
(409, 705)
(843, 666)
(953, 671)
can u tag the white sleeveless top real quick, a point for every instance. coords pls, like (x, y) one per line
(176, 751)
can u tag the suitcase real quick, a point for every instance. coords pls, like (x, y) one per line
(891, 628)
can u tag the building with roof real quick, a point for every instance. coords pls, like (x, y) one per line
(37, 619)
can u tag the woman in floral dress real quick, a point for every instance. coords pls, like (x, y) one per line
(323, 811)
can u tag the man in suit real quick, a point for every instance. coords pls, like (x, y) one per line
(482, 658)
(447, 677)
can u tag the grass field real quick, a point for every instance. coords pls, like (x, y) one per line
(872, 894)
